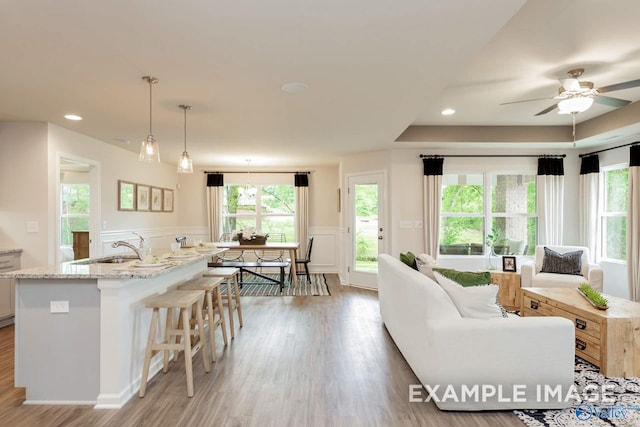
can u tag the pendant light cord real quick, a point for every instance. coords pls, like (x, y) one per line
(150, 104)
(185, 130)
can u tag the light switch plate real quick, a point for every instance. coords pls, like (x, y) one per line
(59, 306)
(32, 227)
(406, 224)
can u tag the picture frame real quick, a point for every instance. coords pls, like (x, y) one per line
(143, 197)
(509, 263)
(167, 200)
(156, 199)
(126, 196)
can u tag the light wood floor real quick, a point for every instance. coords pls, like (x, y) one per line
(298, 361)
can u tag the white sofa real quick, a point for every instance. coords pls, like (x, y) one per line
(530, 275)
(450, 352)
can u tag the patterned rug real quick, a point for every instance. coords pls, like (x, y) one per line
(262, 288)
(620, 406)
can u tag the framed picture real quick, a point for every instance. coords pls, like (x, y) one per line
(509, 263)
(156, 199)
(126, 196)
(167, 200)
(143, 197)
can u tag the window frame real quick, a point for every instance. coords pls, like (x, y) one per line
(64, 216)
(487, 213)
(603, 214)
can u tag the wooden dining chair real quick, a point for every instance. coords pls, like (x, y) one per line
(304, 262)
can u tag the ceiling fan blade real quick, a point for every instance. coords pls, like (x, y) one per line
(548, 109)
(619, 86)
(611, 102)
(524, 100)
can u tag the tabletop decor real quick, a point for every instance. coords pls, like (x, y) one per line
(248, 236)
(594, 297)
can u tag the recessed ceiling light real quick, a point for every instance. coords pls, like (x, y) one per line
(294, 87)
(448, 111)
(72, 117)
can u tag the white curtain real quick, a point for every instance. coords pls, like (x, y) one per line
(633, 225)
(214, 205)
(302, 212)
(432, 187)
(589, 200)
(550, 198)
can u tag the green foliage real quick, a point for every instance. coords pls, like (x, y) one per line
(593, 295)
(366, 200)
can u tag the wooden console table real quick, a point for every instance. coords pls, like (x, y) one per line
(609, 338)
(509, 293)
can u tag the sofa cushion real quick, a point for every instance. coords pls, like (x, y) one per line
(410, 259)
(566, 263)
(477, 302)
(425, 264)
(466, 278)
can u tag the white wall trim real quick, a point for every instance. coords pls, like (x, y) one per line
(325, 254)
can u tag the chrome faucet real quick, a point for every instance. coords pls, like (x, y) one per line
(141, 252)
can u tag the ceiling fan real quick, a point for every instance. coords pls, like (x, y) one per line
(575, 96)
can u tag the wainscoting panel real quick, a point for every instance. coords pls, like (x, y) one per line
(325, 256)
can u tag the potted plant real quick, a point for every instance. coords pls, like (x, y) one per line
(248, 236)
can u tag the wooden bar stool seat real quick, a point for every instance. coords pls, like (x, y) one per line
(212, 306)
(232, 297)
(182, 301)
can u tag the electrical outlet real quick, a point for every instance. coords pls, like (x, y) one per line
(32, 227)
(59, 306)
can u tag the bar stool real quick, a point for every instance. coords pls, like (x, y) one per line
(233, 294)
(181, 300)
(212, 295)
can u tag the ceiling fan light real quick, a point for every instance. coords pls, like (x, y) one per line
(577, 104)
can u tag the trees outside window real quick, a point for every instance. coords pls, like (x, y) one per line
(266, 208)
(613, 218)
(507, 213)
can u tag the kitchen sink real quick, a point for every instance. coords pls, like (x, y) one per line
(117, 259)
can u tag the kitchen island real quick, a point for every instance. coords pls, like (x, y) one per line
(81, 328)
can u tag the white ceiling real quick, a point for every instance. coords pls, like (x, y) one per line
(373, 67)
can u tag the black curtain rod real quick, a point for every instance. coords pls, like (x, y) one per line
(250, 171)
(607, 149)
(423, 156)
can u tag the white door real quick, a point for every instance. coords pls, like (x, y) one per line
(367, 228)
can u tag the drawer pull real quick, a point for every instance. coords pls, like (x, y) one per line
(580, 345)
(534, 304)
(581, 324)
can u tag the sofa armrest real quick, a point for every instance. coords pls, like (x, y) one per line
(532, 351)
(595, 276)
(527, 270)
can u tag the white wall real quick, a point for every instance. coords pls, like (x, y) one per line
(23, 190)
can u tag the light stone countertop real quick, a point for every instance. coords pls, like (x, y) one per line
(10, 251)
(80, 269)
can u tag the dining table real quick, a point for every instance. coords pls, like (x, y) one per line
(292, 247)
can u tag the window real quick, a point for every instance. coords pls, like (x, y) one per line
(462, 215)
(74, 209)
(614, 213)
(513, 213)
(267, 208)
(469, 213)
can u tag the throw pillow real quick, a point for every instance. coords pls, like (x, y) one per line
(478, 302)
(410, 259)
(425, 265)
(466, 278)
(566, 263)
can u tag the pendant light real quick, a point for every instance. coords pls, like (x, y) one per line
(185, 164)
(149, 151)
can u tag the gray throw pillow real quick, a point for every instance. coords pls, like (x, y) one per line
(566, 263)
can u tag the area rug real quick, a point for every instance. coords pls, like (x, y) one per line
(621, 407)
(262, 288)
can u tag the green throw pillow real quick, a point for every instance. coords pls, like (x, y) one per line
(410, 259)
(466, 278)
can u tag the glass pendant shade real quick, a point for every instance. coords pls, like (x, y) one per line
(149, 150)
(185, 164)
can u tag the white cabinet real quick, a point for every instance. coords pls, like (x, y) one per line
(8, 262)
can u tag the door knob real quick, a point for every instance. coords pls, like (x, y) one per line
(379, 237)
